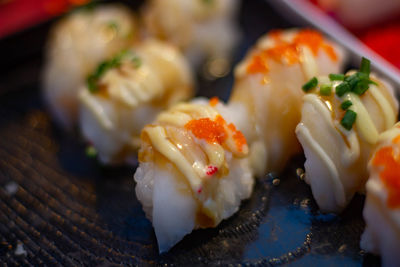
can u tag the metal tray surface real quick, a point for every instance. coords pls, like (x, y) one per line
(63, 208)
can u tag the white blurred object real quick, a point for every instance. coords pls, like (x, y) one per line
(382, 232)
(203, 29)
(130, 96)
(76, 45)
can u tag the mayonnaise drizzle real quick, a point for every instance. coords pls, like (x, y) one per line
(351, 152)
(388, 111)
(365, 126)
(131, 86)
(307, 139)
(194, 170)
(364, 123)
(94, 105)
(308, 63)
(160, 142)
(390, 134)
(304, 134)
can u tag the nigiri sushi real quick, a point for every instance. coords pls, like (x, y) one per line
(203, 29)
(266, 89)
(382, 205)
(193, 172)
(127, 92)
(341, 119)
(77, 44)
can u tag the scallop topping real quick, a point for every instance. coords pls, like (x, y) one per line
(290, 49)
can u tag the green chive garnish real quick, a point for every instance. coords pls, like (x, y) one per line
(113, 25)
(365, 66)
(348, 119)
(136, 62)
(346, 104)
(336, 77)
(208, 2)
(91, 152)
(325, 89)
(342, 88)
(361, 87)
(310, 84)
(103, 67)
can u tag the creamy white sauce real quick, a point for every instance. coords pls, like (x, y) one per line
(92, 103)
(305, 135)
(384, 104)
(308, 63)
(194, 169)
(365, 126)
(351, 153)
(160, 142)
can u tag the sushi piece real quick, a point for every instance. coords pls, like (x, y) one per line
(203, 29)
(341, 119)
(77, 44)
(127, 92)
(267, 91)
(193, 171)
(382, 205)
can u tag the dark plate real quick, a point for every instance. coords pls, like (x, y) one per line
(64, 208)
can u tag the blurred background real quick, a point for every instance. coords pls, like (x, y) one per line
(375, 22)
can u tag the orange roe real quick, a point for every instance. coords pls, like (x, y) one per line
(257, 64)
(390, 175)
(288, 52)
(396, 140)
(207, 129)
(276, 35)
(239, 138)
(214, 101)
(214, 131)
(284, 51)
(314, 40)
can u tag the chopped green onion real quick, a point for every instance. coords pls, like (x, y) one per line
(91, 152)
(325, 89)
(346, 104)
(310, 84)
(336, 77)
(359, 82)
(365, 66)
(352, 80)
(208, 2)
(88, 7)
(348, 119)
(91, 82)
(342, 88)
(103, 67)
(113, 25)
(361, 87)
(136, 62)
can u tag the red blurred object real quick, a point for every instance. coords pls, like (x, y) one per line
(16, 15)
(385, 40)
